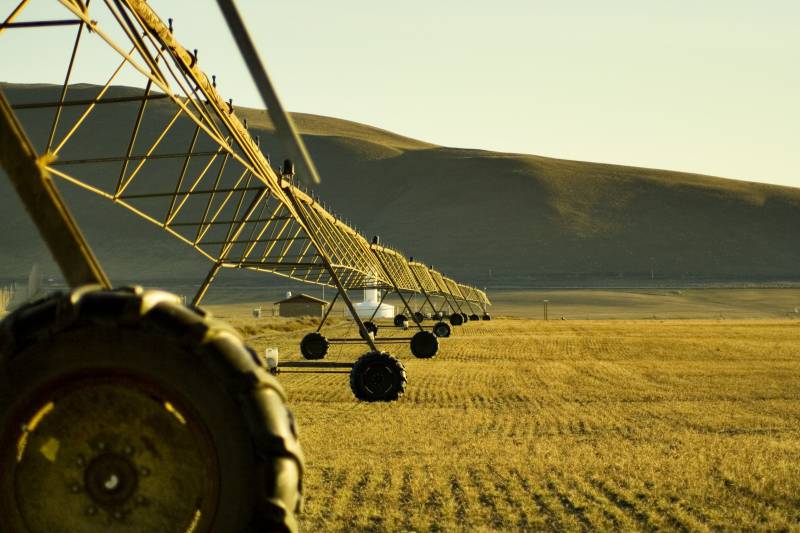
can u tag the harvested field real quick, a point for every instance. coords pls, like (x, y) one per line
(528, 425)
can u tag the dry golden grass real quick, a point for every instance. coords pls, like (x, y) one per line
(527, 425)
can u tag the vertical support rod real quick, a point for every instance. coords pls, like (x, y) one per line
(445, 303)
(57, 115)
(226, 248)
(469, 304)
(201, 292)
(331, 272)
(397, 289)
(327, 311)
(184, 168)
(35, 187)
(424, 292)
(455, 300)
(377, 307)
(444, 292)
(134, 134)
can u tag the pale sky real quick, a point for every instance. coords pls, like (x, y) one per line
(708, 86)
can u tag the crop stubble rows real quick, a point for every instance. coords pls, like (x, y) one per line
(526, 425)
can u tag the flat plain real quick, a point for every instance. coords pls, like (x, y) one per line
(522, 424)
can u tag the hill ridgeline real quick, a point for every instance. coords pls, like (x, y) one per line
(488, 218)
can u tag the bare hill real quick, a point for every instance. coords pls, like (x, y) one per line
(490, 218)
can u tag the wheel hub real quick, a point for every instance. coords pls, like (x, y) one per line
(109, 457)
(377, 378)
(111, 479)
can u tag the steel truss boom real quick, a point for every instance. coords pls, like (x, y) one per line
(188, 164)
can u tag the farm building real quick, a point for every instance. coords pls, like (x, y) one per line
(301, 305)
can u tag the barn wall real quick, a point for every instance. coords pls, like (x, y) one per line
(300, 309)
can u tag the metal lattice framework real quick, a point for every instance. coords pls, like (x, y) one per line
(188, 164)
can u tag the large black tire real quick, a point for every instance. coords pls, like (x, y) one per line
(372, 327)
(399, 319)
(378, 377)
(465, 317)
(441, 329)
(419, 317)
(424, 344)
(314, 346)
(474, 317)
(456, 319)
(125, 410)
(486, 316)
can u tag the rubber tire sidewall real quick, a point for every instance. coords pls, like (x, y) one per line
(187, 376)
(314, 338)
(428, 336)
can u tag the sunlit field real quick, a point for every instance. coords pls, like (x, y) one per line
(521, 424)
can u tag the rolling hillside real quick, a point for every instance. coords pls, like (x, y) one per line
(491, 218)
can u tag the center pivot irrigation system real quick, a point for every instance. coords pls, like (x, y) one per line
(135, 411)
(406, 279)
(188, 164)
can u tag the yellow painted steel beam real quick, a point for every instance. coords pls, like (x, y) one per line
(302, 240)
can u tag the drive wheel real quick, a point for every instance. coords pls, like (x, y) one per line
(378, 377)
(419, 317)
(486, 316)
(474, 317)
(314, 346)
(399, 319)
(126, 411)
(424, 344)
(456, 319)
(371, 327)
(441, 329)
